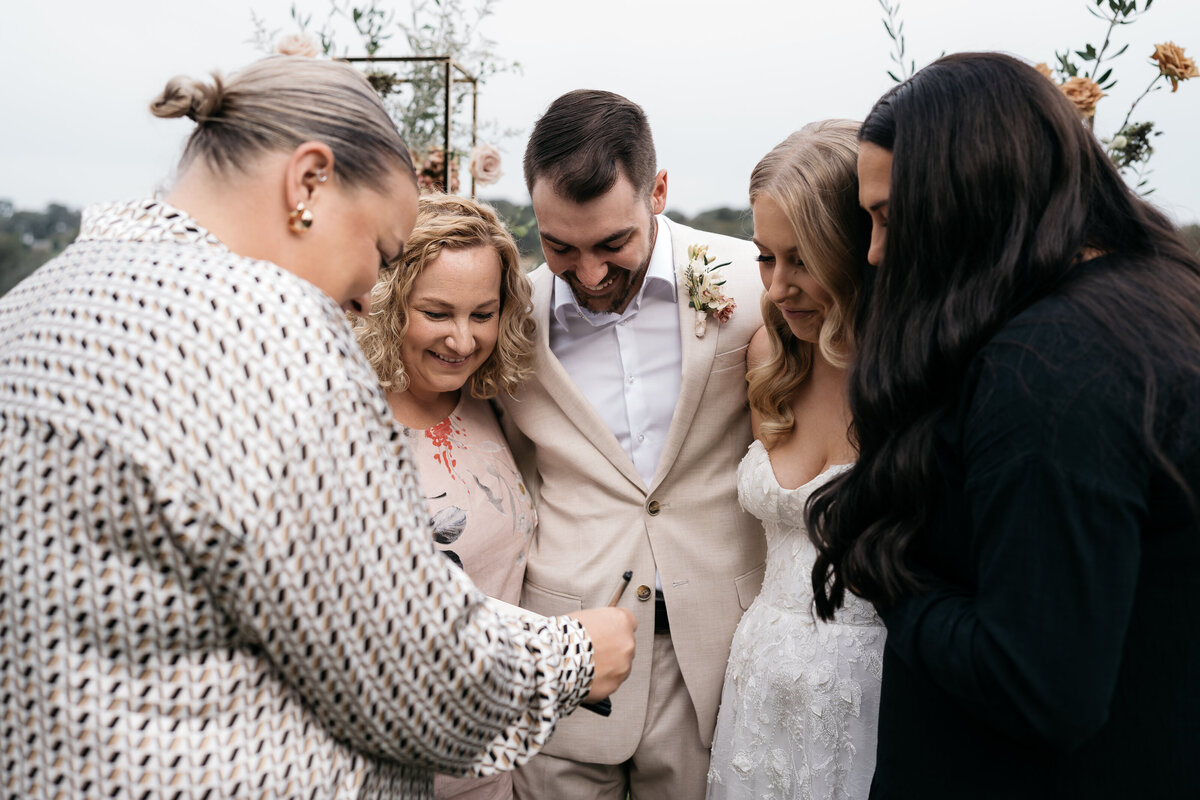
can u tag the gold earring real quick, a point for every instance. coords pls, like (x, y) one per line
(301, 219)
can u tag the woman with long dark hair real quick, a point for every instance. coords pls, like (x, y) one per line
(1024, 509)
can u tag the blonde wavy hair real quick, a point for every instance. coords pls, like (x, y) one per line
(812, 176)
(448, 222)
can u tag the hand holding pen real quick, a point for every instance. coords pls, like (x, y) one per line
(604, 707)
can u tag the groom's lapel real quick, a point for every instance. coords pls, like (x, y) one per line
(697, 356)
(558, 384)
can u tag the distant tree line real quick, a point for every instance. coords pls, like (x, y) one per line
(520, 220)
(30, 238)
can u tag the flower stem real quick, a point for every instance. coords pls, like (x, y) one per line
(1138, 100)
(1112, 23)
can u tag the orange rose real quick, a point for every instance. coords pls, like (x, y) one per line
(1084, 93)
(1174, 64)
(1045, 70)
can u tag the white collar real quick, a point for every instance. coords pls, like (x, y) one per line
(146, 220)
(660, 281)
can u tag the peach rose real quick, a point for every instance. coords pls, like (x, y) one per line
(1045, 70)
(1174, 64)
(484, 165)
(1084, 93)
(297, 44)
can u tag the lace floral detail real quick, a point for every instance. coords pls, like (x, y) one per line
(800, 705)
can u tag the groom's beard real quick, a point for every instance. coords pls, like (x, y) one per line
(625, 284)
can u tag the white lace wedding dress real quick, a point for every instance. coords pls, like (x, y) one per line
(800, 706)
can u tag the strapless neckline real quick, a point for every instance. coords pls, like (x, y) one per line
(811, 483)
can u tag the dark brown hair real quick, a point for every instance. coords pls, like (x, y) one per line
(997, 189)
(585, 140)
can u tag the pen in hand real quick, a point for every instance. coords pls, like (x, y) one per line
(616, 598)
(604, 707)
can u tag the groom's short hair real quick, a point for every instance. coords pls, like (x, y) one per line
(586, 139)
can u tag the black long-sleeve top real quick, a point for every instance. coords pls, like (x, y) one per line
(1056, 652)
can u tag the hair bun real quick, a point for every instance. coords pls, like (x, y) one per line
(186, 97)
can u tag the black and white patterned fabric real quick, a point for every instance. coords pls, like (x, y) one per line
(217, 577)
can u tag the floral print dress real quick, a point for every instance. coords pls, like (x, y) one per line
(483, 520)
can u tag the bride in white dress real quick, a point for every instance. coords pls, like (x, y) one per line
(801, 697)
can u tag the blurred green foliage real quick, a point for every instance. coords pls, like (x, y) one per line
(28, 239)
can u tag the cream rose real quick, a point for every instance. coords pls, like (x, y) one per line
(1084, 92)
(484, 165)
(297, 44)
(1174, 64)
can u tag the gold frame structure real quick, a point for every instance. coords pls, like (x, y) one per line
(449, 67)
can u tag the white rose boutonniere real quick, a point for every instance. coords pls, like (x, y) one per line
(703, 281)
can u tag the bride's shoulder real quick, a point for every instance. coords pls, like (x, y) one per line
(760, 348)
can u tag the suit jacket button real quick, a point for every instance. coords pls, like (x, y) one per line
(644, 593)
(653, 507)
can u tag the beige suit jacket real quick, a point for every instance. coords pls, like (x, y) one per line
(597, 517)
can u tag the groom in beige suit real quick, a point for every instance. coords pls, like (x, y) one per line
(630, 433)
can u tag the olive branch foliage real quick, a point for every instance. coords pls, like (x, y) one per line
(412, 92)
(1129, 147)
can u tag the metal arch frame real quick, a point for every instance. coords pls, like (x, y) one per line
(449, 67)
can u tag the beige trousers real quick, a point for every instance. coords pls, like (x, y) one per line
(670, 762)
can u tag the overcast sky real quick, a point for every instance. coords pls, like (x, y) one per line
(722, 82)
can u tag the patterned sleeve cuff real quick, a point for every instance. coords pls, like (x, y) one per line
(578, 665)
(561, 677)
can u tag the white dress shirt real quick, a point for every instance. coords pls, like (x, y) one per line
(630, 365)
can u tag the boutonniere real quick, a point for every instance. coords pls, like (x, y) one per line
(703, 281)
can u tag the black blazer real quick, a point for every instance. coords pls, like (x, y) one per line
(1057, 651)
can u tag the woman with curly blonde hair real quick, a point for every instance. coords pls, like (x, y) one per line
(801, 696)
(449, 329)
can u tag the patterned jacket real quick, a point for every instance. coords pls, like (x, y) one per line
(217, 577)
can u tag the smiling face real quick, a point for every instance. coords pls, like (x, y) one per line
(453, 322)
(874, 188)
(790, 286)
(600, 247)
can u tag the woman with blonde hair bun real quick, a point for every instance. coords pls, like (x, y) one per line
(218, 579)
(801, 696)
